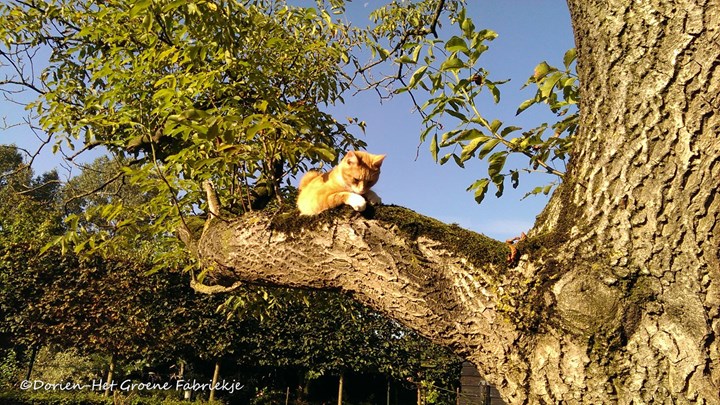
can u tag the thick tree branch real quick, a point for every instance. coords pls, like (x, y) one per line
(436, 18)
(438, 279)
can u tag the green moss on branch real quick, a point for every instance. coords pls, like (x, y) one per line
(478, 249)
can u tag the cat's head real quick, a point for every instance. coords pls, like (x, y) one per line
(360, 170)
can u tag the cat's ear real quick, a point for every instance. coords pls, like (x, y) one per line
(377, 160)
(351, 158)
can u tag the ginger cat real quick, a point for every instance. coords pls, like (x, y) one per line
(347, 183)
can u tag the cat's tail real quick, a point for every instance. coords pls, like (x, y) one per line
(308, 177)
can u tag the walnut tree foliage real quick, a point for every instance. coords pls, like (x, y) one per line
(181, 92)
(235, 92)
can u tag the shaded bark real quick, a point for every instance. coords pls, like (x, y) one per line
(400, 263)
(616, 296)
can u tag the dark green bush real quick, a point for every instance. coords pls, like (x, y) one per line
(16, 397)
(52, 398)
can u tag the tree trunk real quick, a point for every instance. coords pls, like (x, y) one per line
(633, 232)
(216, 376)
(341, 380)
(187, 394)
(33, 354)
(616, 295)
(110, 376)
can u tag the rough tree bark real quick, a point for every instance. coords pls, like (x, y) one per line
(616, 296)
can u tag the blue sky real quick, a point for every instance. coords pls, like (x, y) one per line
(530, 31)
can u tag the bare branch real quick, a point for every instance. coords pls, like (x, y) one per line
(214, 289)
(38, 187)
(436, 17)
(95, 190)
(409, 34)
(88, 146)
(212, 199)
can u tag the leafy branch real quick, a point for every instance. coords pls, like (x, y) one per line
(453, 85)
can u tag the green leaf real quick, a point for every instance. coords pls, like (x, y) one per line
(79, 247)
(261, 106)
(456, 44)
(499, 182)
(384, 53)
(453, 63)
(494, 91)
(469, 135)
(405, 59)
(139, 7)
(173, 5)
(496, 163)
(50, 244)
(458, 161)
(515, 178)
(508, 130)
(525, 105)
(487, 34)
(250, 132)
(534, 191)
(569, 57)
(326, 153)
(462, 117)
(480, 187)
(147, 22)
(549, 83)
(469, 150)
(426, 131)
(416, 53)
(467, 26)
(541, 70)
(537, 190)
(488, 147)
(434, 149)
(417, 76)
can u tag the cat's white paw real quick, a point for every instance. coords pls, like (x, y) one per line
(357, 202)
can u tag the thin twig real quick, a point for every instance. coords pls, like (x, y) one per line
(93, 191)
(185, 226)
(88, 146)
(38, 187)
